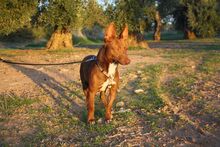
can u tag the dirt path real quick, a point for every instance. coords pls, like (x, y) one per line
(24, 79)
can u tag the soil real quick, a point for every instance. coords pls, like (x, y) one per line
(27, 78)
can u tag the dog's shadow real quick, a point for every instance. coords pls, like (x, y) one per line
(54, 89)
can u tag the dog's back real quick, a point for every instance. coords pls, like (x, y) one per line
(85, 68)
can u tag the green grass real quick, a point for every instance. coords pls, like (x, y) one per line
(37, 45)
(166, 35)
(180, 87)
(151, 100)
(86, 41)
(9, 103)
(136, 48)
(210, 63)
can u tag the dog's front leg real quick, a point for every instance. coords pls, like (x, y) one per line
(90, 106)
(103, 98)
(112, 96)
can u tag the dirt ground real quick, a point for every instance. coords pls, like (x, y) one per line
(51, 83)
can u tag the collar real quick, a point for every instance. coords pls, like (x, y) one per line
(101, 69)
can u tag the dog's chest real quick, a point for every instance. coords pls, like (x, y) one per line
(111, 74)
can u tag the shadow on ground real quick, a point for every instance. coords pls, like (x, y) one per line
(89, 46)
(54, 89)
(185, 45)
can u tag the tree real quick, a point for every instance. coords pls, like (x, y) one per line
(218, 9)
(203, 18)
(158, 25)
(94, 14)
(16, 14)
(62, 16)
(163, 9)
(133, 13)
(197, 18)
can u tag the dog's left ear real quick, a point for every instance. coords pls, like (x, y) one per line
(110, 33)
(124, 33)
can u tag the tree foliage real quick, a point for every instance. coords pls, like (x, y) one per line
(203, 18)
(166, 7)
(15, 14)
(93, 14)
(135, 13)
(61, 14)
(199, 16)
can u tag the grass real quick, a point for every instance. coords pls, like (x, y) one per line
(10, 103)
(86, 41)
(37, 45)
(14, 53)
(180, 87)
(166, 35)
(151, 99)
(210, 63)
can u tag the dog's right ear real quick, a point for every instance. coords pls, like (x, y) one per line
(124, 33)
(110, 32)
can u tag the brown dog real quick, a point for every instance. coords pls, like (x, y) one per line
(101, 73)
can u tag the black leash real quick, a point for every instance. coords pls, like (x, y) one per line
(44, 64)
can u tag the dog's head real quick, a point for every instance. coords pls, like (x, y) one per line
(116, 47)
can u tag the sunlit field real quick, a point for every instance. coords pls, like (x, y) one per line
(177, 103)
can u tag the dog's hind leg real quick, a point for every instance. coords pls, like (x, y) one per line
(90, 99)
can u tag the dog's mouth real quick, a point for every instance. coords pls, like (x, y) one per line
(122, 62)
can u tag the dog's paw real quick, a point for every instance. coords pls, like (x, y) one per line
(108, 121)
(91, 122)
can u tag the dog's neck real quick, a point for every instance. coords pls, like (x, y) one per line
(104, 62)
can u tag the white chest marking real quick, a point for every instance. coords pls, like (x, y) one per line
(111, 73)
(112, 69)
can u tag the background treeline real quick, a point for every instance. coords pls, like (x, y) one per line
(57, 20)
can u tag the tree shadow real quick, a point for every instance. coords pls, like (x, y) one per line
(186, 45)
(53, 88)
(89, 46)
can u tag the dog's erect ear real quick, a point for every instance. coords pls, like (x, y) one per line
(110, 32)
(124, 33)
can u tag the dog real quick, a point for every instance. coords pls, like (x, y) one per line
(100, 73)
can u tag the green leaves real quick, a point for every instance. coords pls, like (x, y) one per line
(93, 14)
(198, 15)
(15, 14)
(202, 17)
(61, 13)
(132, 12)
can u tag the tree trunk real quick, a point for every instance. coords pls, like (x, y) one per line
(188, 34)
(158, 25)
(60, 39)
